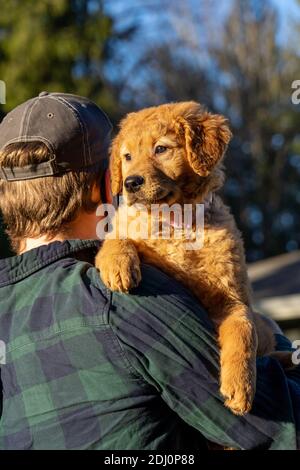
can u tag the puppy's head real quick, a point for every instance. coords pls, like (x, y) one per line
(168, 152)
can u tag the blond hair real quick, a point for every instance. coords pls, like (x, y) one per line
(42, 206)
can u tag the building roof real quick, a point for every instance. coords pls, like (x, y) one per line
(276, 285)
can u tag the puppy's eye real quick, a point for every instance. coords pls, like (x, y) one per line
(127, 157)
(160, 149)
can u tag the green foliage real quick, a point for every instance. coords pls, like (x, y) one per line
(235, 64)
(56, 45)
(53, 45)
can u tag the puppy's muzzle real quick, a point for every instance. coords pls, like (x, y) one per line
(133, 183)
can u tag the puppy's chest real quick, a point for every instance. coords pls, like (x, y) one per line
(172, 251)
(192, 256)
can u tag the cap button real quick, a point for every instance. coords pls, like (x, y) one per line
(44, 93)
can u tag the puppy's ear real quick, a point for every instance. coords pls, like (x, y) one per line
(115, 167)
(206, 138)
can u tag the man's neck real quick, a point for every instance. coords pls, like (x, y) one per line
(31, 243)
(83, 228)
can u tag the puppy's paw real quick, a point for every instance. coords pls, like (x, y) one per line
(238, 386)
(120, 272)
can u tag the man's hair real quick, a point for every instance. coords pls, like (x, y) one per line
(42, 206)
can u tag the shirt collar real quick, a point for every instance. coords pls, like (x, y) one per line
(18, 267)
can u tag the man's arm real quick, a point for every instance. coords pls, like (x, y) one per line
(170, 341)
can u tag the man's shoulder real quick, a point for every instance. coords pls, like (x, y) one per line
(158, 298)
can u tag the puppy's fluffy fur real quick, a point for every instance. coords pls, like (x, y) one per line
(178, 149)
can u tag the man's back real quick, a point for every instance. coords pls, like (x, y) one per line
(67, 382)
(88, 369)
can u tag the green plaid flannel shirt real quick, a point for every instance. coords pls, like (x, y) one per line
(89, 369)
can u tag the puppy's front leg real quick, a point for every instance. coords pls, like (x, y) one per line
(119, 265)
(238, 342)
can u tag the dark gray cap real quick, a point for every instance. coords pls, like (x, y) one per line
(76, 131)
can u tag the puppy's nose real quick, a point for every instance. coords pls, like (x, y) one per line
(133, 183)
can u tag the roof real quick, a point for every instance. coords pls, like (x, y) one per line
(276, 285)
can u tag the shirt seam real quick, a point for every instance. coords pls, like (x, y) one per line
(126, 360)
(122, 349)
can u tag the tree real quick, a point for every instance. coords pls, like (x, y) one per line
(257, 72)
(231, 59)
(55, 45)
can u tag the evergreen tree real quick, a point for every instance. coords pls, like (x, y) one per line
(54, 45)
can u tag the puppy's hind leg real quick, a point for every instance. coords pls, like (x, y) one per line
(238, 343)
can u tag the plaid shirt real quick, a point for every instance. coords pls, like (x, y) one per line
(88, 369)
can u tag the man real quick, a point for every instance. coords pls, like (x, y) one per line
(87, 368)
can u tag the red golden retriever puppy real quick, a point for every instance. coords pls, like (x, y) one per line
(173, 154)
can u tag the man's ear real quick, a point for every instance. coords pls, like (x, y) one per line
(107, 183)
(115, 167)
(206, 138)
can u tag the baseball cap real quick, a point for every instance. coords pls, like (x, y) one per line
(75, 130)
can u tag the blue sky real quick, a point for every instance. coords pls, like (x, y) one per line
(289, 11)
(146, 11)
(154, 21)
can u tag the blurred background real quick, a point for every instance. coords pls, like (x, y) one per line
(238, 57)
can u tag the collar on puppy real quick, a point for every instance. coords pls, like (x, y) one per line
(208, 202)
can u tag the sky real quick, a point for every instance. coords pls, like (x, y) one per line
(148, 11)
(289, 11)
(155, 23)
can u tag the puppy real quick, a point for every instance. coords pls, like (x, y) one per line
(173, 154)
